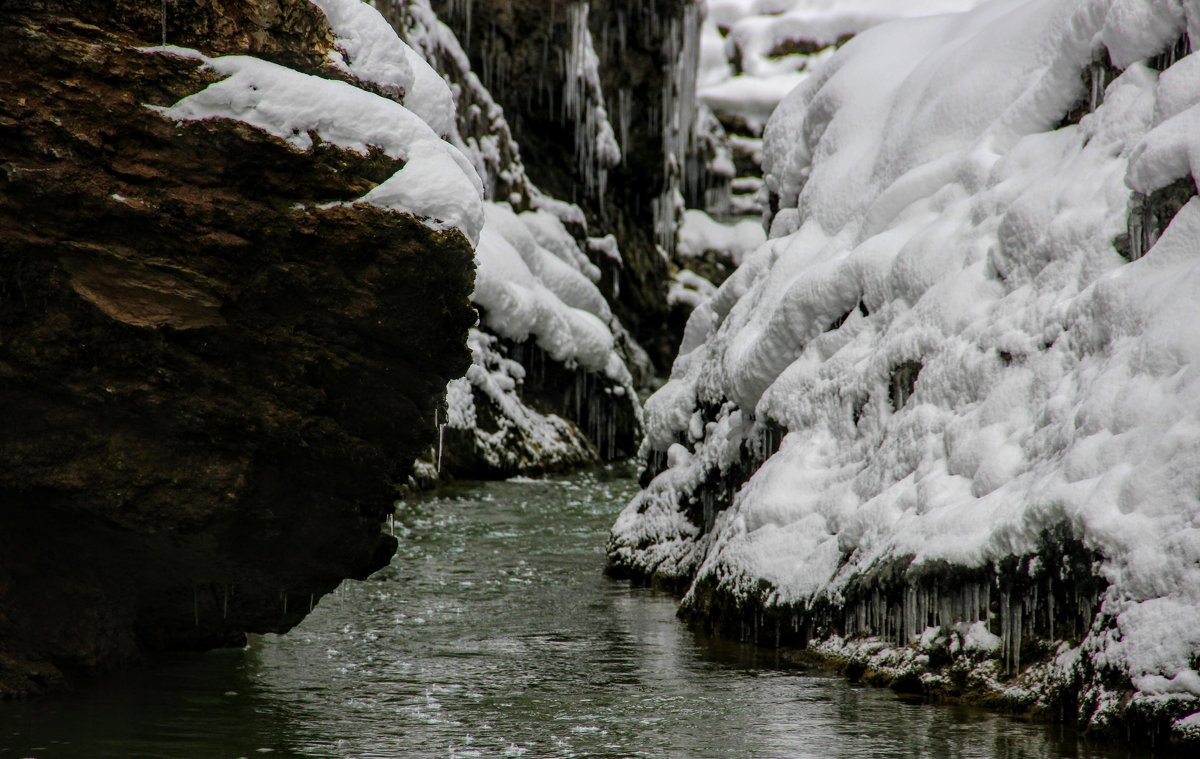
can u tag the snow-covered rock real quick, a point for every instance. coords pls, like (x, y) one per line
(436, 182)
(946, 322)
(700, 234)
(755, 52)
(548, 340)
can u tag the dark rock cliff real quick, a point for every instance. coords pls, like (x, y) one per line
(209, 384)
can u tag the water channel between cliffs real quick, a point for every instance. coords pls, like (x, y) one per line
(495, 633)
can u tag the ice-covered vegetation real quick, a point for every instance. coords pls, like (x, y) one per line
(973, 327)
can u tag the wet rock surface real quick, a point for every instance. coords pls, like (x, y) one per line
(210, 381)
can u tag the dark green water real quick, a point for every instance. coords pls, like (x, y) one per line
(494, 633)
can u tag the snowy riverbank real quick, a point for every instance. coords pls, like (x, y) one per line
(970, 329)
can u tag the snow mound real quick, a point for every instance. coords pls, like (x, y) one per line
(371, 51)
(942, 321)
(753, 52)
(700, 233)
(527, 292)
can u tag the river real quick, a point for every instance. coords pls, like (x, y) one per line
(495, 633)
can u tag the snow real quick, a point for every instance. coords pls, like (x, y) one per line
(436, 181)
(1171, 150)
(377, 55)
(1188, 727)
(689, 289)
(523, 437)
(933, 210)
(528, 292)
(751, 97)
(745, 67)
(549, 232)
(368, 45)
(700, 234)
(976, 637)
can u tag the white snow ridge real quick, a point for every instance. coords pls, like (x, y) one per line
(977, 319)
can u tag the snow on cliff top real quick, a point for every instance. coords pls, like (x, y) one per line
(436, 182)
(934, 211)
(377, 55)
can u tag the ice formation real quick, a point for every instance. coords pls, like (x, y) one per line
(973, 328)
(596, 148)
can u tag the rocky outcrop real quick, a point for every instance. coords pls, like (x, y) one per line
(551, 385)
(213, 373)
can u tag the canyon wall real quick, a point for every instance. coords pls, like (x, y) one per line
(941, 426)
(555, 372)
(216, 360)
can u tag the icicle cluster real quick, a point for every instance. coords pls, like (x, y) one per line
(596, 146)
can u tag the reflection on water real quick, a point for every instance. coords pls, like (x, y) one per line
(494, 633)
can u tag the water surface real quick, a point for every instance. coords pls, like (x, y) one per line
(495, 633)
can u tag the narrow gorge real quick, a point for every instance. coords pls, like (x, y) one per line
(893, 304)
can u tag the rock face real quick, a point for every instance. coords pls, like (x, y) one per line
(210, 380)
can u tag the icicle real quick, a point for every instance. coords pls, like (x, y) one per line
(164, 22)
(1017, 638)
(441, 435)
(1096, 93)
(987, 605)
(1033, 608)
(583, 104)
(1049, 609)
(310, 603)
